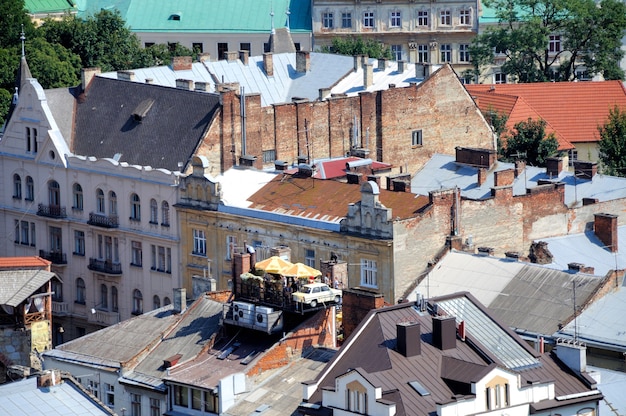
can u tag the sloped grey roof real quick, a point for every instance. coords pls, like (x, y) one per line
(526, 297)
(442, 171)
(61, 102)
(23, 398)
(17, 285)
(171, 118)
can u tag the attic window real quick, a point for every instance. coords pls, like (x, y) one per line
(141, 111)
(174, 16)
(419, 388)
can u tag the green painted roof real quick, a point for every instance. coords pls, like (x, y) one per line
(206, 16)
(48, 6)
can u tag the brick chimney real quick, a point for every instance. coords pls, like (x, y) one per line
(581, 268)
(232, 56)
(482, 176)
(504, 177)
(484, 158)
(368, 75)
(181, 63)
(204, 57)
(605, 228)
(303, 61)
(184, 84)
(585, 170)
(268, 64)
(324, 93)
(243, 57)
(408, 342)
(520, 166)
(86, 75)
(180, 299)
(126, 75)
(356, 303)
(444, 332)
(554, 166)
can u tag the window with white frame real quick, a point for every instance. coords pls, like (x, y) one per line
(161, 258)
(112, 203)
(104, 297)
(199, 242)
(554, 43)
(25, 233)
(368, 19)
(346, 20)
(155, 407)
(109, 395)
(108, 248)
(17, 187)
(356, 401)
(464, 55)
(309, 257)
(99, 201)
(368, 273)
(396, 51)
(93, 387)
(422, 53)
(156, 302)
(327, 20)
(135, 404)
(497, 397)
(80, 291)
(57, 290)
(30, 189)
(396, 18)
(136, 253)
(465, 16)
(154, 212)
(572, 156)
(79, 243)
(416, 138)
(135, 207)
(422, 18)
(499, 78)
(269, 156)
(31, 139)
(446, 52)
(445, 18)
(114, 299)
(231, 245)
(137, 302)
(181, 396)
(77, 196)
(165, 213)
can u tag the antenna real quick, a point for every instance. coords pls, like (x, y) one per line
(23, 38)
(288, 13)
(575, 321)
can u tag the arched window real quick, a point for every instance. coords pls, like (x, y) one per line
(80, 291)
(135, 207)
(114, 304)
(57, 290)
(54, 193)
(30, 189)
(154, 212)
(99, 201)
(78, 196)
(165, 213)
(156, 302)
(112, 203)
(166, 301)
(137, 302)
(104, 296)
(17, 187)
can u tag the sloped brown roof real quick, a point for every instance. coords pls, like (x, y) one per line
(325, 199)
(573, 109)
(24, 262)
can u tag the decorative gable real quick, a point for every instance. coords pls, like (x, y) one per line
(355, 393)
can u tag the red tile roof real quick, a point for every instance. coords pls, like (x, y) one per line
(325, 199)
(573, 109)
(24, 262)
(336, 168)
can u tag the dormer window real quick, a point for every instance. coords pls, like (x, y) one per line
(174, 16)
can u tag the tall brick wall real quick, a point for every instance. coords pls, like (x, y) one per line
(314, 332)
(356, 304)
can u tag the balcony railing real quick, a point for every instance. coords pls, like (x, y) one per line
(51, 211)
(103, 317)
(105, 266)
(101, 220)
(55, 257)
(60, 308)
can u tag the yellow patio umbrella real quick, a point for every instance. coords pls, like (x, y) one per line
(301, 270)
(274, 265)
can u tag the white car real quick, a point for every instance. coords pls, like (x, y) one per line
(314, 293)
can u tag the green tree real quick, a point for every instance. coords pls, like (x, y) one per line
(497, 121)
(53, 65)
(356, 45)
(612, 144)
(530, 142)
(590, 34)
(14, 15)
(5, 102)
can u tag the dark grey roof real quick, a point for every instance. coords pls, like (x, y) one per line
(148, 125)
(17, 285)
(372, 349)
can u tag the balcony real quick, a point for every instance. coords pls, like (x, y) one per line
(60, 308)
(105, 266)
(51, 211)
(102, 317)
(105, 221)
(56, 257)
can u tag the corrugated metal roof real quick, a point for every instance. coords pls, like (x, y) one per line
(49, 6)
(239, 184)
(585, 248)
(612, 384)
(526, 297)
(23, 398)
(442, 171)
(17, 285)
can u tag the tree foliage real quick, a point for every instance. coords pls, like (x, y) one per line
(53, 65)
(356, 45)
(497, 121)
(590, 35)
(14, 16)
(612, 144)
(530, 142)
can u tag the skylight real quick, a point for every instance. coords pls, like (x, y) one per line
(419, 388)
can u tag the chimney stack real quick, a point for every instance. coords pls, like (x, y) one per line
(444, 332)
(202, 86)
(358, 61)
(408, 341)
(605, 228)
(243, 57)
(184, 84)
(126, 75)
(268, 64)
(482, 176)
(303, 61)
(554, 166)
(324, 93)
(181, 63)
(86, 75)
(382, 64)
(573, 354)
(368, 75)
(204, 57)
(401, 66)
(180, 299)
(231, 56)
(585, 170)
(149, 80)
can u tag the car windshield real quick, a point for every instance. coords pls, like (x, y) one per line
(306, 289)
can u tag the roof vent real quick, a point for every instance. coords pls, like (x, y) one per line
(174, 16)
(172, 361)
(141, 111)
